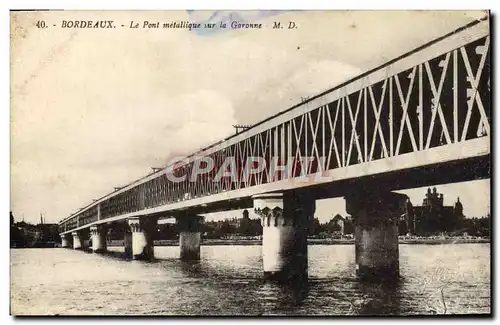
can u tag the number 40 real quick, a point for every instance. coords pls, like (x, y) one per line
(40, 24)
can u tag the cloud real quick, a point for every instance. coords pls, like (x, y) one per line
(317, 77)
(114, 147)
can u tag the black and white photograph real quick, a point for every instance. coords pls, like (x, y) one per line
(250, 163)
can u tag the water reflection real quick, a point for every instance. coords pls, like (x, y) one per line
(379, 298)
(114, 254)
(282, 297)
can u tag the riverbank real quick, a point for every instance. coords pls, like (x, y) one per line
(314, 241)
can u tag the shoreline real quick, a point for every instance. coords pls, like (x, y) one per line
(251, 242)
(310, 241)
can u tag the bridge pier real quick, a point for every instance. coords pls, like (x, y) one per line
(142, 237)
(189, 237)
(78, 240)
(64, 241)
(285, 221)
(98, 234)
(127, 243)
(376, 217)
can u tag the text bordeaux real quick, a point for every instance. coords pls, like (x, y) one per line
(87, 24)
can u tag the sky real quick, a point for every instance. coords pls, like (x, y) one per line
(95, 109)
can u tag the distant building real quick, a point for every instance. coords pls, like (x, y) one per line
(30, 234)
(49, 232)
(339, 223)
(39, 235)
(432, 216)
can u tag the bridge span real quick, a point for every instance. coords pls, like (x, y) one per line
(422, 118)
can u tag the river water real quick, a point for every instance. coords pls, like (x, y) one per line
(436, 279)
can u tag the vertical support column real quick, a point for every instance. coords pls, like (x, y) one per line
(285, 223)
(189, 237)
(127, 243)
(376, 217)
(142, 237)
(98, 234)
(85, 238)
(77, 240)
(64, 241)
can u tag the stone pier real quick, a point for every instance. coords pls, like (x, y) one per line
(285, 223)
(376, 215)
(189, 236)
(142, 229)
(64, 241)
(98, 234)
(78, 240)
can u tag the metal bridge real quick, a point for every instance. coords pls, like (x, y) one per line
(422, 117)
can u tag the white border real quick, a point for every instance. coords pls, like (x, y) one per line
(199, 4)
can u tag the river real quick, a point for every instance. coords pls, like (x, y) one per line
(435, 279)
